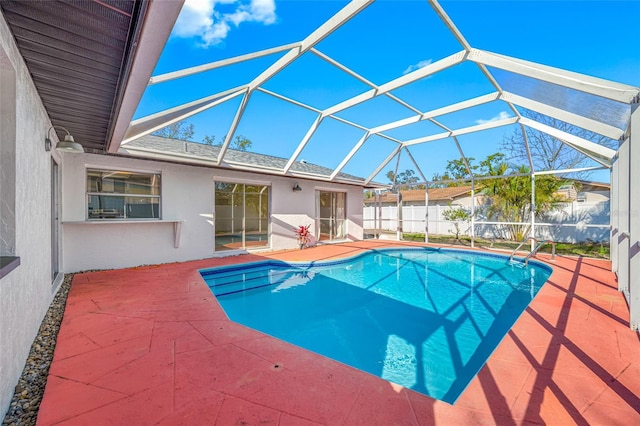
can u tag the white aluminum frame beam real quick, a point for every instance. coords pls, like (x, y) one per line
(357, 76)
(303, 143)
(469, 103)
(350, 155)
(450, 25)
(526, 145)
(575, 170)
(323, 31)
(287, 99)
(411, 77)
(383, 164)
(234, 126)
(464, 158)
(335, 22)
(416, 164)
(161, 78)
(596, 86)
(483, 59)
(453, 29)
(463, 131)
(600, 154)
(563, 115)
(151, 123)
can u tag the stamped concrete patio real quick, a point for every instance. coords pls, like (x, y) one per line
(151, 345)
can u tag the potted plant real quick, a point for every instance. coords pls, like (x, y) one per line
(303, 234)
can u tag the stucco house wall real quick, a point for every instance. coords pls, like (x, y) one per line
(26, 291)
(596, 196)
(188, 196)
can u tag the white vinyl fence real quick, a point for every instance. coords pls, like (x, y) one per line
(574, 222)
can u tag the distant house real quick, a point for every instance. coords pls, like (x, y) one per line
(593, 192)
(455, 195)
(584, 191)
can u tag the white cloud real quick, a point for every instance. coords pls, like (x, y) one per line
(263, 11)
(203, 19)
(503, 115)
(417, 66)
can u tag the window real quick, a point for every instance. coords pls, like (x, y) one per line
(122, 195)
(242, 216)
(8, 258)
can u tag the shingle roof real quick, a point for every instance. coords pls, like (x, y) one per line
(435, 194)
(594, 185)
(264, 163)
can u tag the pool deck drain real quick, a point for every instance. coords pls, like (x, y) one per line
(151, 345)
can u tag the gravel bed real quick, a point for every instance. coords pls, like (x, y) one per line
(30, 388)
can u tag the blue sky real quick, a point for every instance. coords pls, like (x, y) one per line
(386, 40)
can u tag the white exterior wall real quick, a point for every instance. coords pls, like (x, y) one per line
(597, 196)
(27, 291)
(634, 219)
(187, 195)
(625, 226)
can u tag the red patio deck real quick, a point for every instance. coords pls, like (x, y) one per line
(151, 345)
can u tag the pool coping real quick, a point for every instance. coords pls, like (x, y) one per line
(238, 266)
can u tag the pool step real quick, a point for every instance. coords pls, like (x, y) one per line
(236, 276)
(230, 283)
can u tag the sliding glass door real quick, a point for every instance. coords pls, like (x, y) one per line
(331, 215)
(241, 216)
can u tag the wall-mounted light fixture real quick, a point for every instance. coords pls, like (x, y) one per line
(297, 187)
(67, 145)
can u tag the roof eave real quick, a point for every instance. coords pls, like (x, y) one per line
(155, 28)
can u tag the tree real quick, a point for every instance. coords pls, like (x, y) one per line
(184, 131)
(178, 130)
(458, 216)
(241, 143)
(368, 194)
(547, 152)
(508, 199)
(406, 178)
(455, 169)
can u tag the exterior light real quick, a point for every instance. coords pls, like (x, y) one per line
(67, 145)
(297, 188)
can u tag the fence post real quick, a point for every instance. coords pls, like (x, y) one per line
(399, 214)
(533, 210)
(380, 217)
(426, 212)
(473, 212)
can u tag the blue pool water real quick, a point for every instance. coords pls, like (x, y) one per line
(424, 318)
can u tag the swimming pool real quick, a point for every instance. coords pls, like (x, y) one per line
(423, 318)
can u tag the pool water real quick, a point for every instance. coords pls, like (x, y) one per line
(426, 319)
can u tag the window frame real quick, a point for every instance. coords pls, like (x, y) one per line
(125, 195)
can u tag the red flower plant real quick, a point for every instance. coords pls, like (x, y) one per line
(303, 234)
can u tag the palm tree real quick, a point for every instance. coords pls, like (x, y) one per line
(509, 199)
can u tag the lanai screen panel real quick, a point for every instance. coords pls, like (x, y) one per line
(571, 100)
(369, 81)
